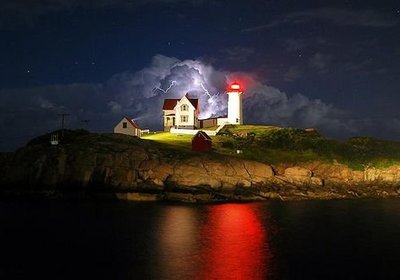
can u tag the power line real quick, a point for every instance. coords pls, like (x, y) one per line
(63, 115)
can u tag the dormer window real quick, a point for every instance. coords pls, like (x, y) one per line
(184, 107)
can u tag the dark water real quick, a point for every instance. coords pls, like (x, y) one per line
(273, 240)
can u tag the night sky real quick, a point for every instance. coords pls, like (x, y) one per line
(333, 65)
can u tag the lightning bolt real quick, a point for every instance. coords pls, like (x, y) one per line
(174, 83)
(166, 90)
(205, 90)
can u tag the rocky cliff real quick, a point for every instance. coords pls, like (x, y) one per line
(130, 168)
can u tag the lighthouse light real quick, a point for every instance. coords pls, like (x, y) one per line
(235, 86)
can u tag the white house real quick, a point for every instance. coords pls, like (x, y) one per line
(181, 113)
(129, 127)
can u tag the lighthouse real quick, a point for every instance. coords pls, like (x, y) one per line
(235, 109)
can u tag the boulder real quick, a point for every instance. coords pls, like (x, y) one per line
(298, 172)
(300, 176)
(155, 170)
(258, 170)
(315, 181)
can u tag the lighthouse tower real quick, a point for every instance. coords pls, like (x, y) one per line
(235, 110)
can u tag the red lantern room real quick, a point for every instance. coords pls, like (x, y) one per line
(234, 87)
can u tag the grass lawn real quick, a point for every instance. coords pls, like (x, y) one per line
(256, 129)
(181, 142)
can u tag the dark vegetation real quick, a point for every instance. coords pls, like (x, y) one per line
(289, 145)
(85, 139)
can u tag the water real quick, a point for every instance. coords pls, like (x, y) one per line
(270, 240)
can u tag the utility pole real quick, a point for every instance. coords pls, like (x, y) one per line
(85, 123)
(63, 115)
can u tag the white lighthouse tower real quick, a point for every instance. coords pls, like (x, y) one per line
(235, 109)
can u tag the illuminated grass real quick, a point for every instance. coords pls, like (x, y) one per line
(180, 142)
(211, 128)
(257, 129)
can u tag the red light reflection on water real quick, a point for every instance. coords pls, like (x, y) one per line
(234, 243)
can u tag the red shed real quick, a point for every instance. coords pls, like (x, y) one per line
(201, 142)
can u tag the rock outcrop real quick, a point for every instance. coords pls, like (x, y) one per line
(135, 169)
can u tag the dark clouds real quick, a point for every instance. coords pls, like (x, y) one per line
(16, 13)
(335, 16)
(292, 74)
(25, 113)
(342, 17)
(28, 112)
(237, 54)
(46, 6)
(320, 62)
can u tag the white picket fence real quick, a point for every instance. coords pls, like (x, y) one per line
(194, 131)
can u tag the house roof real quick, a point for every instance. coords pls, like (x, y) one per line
(194, 101)
(212, 118)
(132, 122)
(170, 103)
(202, 134)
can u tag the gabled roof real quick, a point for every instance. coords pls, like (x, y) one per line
(202, 134)
(132, 122)
(194, 101)
(170, 103)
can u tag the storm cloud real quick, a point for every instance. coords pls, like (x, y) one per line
(25, 113)
(17, 13)
(335, 16)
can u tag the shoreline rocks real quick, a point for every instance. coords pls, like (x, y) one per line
(130, 169)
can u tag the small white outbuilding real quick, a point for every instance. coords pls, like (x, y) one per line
(129, 127)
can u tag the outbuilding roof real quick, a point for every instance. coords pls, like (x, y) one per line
(170, 103)
(132, 122)
(203, 134)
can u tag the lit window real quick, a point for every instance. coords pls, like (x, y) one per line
(124, 125)
(184, 107)
(184, 119)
